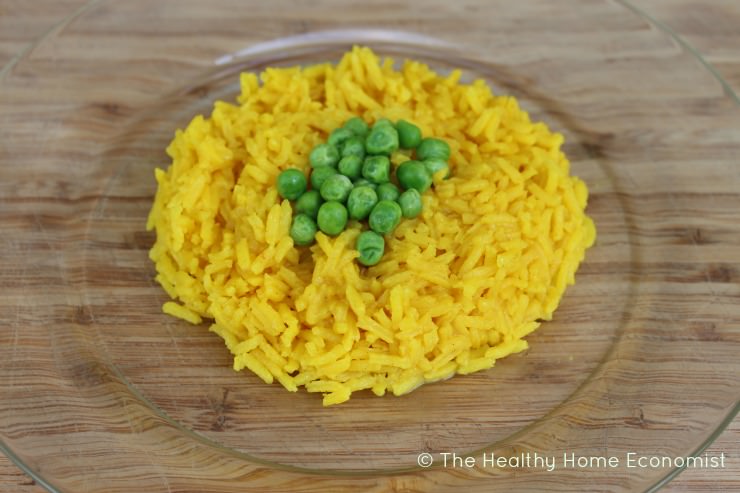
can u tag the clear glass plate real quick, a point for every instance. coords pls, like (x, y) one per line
(100, 391)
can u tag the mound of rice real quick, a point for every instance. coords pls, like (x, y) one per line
(458, 288)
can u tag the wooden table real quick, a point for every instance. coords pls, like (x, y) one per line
(711, 27)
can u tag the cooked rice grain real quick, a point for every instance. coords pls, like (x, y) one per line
(459, 286)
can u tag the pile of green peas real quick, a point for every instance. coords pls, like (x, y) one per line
(351, 179)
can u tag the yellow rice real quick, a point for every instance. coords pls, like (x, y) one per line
(458, 287)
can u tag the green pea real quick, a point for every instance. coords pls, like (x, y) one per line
(361, 201)
(388, 191)
(385, 216)
(382, 139)
(303, 230)
(336, 187)
(410, 202)
(377, 169)
(291, 184)
(324, 155)
(357, 126)
(413, 174)
(319, 176)
(409, 135)
(435, 165)
(309, 204)
(381, 122)
(350, 166)
(362, 182)
(431, 148)
(354, 146)
(339, 136)
(332, 218)
(370, 246)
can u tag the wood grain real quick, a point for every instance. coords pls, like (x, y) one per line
(695, 226)
(712, 29)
